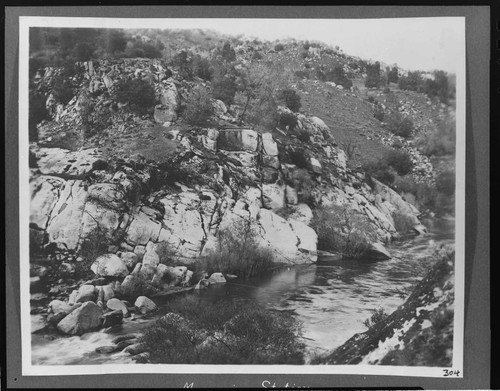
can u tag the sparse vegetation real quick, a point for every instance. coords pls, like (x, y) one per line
(377, 316)
(198, 107)
(238, 252)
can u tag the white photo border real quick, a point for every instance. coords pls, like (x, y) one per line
(28, 369)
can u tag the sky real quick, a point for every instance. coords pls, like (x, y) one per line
(412, 43)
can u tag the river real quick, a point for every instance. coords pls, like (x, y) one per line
(331, 298)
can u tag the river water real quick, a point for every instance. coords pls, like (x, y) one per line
(331, 298)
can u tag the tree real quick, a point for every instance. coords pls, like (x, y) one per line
(372, 75)
(261, 84)
(228, 53)
(392, 76)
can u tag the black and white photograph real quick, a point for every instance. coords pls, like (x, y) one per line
(242, 195)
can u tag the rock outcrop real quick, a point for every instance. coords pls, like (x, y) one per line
(233, 173)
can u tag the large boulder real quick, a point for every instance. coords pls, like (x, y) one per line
(109, 265)
(107, 292)
(115, 304)
(239, 140)
(86, 293)
(216, 278)
(145, 305)
(269, 145)
(82, 320)
(112, 318)
(131, 286)
(58, 306)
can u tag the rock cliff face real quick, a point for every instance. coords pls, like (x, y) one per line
(216, 175)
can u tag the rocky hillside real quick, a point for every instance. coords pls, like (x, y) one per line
(128, 196)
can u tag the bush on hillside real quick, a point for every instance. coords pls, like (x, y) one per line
(303, 182)
(137, 92)
(380, 170)
(288, 120)
(279, 47)
(225, 90)
(238, 252)
(439, 142)
(201, 67)
(378, 113)
(198, 107)
(373, 79)
(399, 125)
(291, 99)
(299, 158)
(340, 228)
(400, 160)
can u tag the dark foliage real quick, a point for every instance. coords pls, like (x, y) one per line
(399, 125)
(137, 92)
(400, 161)
(291, 99)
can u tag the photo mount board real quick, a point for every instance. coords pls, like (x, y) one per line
(326, 370)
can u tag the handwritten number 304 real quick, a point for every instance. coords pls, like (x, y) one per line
(451, 372)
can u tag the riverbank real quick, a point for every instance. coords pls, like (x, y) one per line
(333, 294)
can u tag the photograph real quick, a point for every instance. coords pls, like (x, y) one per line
(242, 195)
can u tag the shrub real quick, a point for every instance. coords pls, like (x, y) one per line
(238, 252)
(305, 184)
(377, 316)
(224, 89)
(373, 79)
(228, 54)
(399, 125)
(62, 90)
(299, 158)
(96, 243)
(378, 113)
(94, 119)
(439, 142)
(288, 120)
(257, 55)
(201, 68)
(400, 161)
(279, 47)
(350, 147)
(344, 230)
(380, 169)
(198, 107)
(166, 253)
(223, 332)
(137, 92)
(403, 223)
(291, 99)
